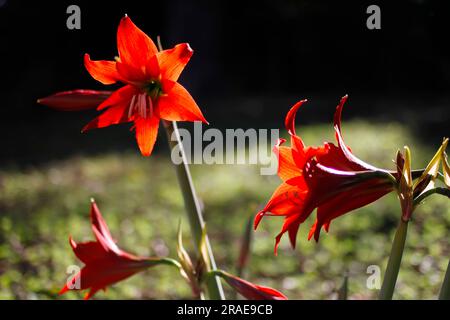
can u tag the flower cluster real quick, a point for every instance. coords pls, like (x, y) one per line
(329, 178)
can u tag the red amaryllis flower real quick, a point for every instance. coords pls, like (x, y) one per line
(249, 290)
(329, 178)
(151, 90)
(105, 263)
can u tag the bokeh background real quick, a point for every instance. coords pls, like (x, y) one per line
(252, 61)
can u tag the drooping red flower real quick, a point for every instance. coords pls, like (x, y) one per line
(151, 90)
(329, 178)
(105, 263)
(250, 290)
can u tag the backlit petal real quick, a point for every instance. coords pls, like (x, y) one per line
(287, 168)
(134, 46)
(173, 61)
(113, 115)
(345, 150)
(291, 224)
(177, 104)
(102, 70)
(121, 96)
(146, 133)
(99, 223)
(289, 122)
(286, 200)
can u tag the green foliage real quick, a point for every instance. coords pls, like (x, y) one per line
(41, 206)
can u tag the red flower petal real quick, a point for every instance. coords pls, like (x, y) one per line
(173, 61)
(291, 225)
(121, 96)
(87, 251)
(141, 75)
(177, 104)
(287, 199)
(359, 196)
(293, 230)
(134, 46)
(329, 178)
(346, 150)
(102, 70)
(113, 115)
(251, 291)
(99, 224)
(75, 100)
(146, 133)
(105, 263)
(287, 168)
(103, 273)
(289, 122)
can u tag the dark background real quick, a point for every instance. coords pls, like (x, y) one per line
(252, 61)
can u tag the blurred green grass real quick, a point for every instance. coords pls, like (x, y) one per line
(41, 206)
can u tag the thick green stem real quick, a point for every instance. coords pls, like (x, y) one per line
(193, 210)
(445, 290)
(393, 266)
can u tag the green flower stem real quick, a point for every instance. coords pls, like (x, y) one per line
(194, 214)
(445, 290)
(439, 190)
(163, 261)
(393, 266)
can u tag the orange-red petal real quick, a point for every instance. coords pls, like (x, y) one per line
(287, 168)
(177, 104)
(286, 200)
(113, 115)
(146, 133)
(134, 46)
(173, 61)
(291, 224)
(121, 96)
(102, 70)
(289, 121)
